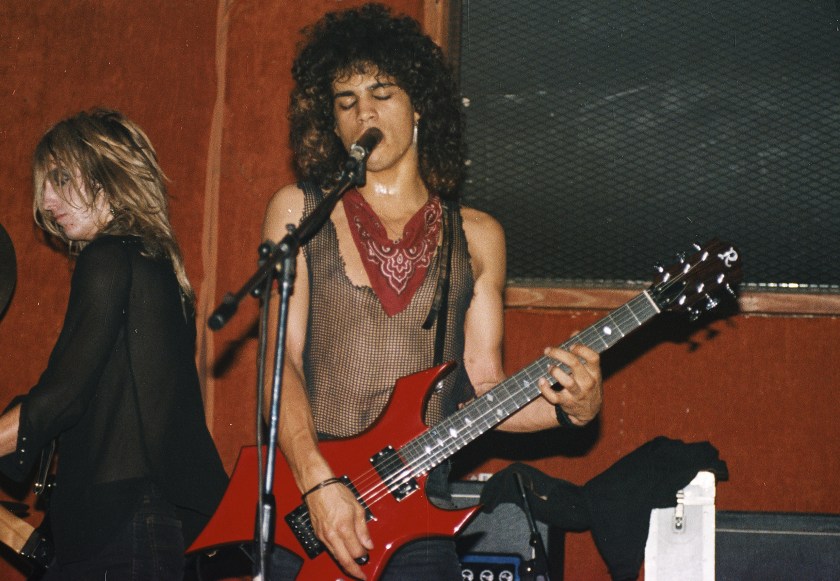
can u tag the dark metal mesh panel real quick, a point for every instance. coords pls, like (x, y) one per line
(606, 136)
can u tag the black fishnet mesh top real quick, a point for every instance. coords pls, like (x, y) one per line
(355, 352)
(121, 394)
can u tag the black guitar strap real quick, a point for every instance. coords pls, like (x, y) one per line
(440, 304)
(437, 483)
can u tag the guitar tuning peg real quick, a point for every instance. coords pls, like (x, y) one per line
(658, 267)
(681, 257)
(696, 246)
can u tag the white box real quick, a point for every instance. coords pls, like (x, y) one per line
(681, 541)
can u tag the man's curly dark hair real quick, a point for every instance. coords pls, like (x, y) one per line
(368, 40)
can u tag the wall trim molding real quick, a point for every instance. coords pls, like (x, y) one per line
(754, 303)
(205, 348)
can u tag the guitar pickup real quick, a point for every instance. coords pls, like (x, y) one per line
(388, 465)
(301, 524)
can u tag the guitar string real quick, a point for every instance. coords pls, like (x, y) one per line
(400, 472)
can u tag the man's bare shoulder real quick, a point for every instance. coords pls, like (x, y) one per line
(481, 226)
(288, 198)
(486, 244)
(284, 207)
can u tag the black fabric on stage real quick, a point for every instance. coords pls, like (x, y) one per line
(616, 504)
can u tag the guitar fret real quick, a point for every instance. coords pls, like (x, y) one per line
(486, 412)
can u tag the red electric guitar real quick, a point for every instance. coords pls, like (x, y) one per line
(386, 466)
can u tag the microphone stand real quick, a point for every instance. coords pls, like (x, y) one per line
(279, 259)
(537, 568)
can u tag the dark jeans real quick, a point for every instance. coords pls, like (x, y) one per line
(423, 560)
(149, 548)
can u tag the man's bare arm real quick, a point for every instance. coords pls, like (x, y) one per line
(337, 518)
(581, 391)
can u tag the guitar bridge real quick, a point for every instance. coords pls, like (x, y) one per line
(301, 524)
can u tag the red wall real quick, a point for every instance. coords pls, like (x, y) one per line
(761, 389)
(210, 82)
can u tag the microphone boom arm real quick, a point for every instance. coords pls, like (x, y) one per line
(272, 255)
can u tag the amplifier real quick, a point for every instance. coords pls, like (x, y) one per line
(778, 546)
(484, 567)
(497, 542)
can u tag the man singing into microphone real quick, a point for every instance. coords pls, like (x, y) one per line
(400, 278)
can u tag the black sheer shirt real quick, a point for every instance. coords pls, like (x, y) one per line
(121, 394)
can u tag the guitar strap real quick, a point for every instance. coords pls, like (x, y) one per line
(438, 488)
(440, 304)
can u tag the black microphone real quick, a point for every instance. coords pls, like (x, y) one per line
(360, 150)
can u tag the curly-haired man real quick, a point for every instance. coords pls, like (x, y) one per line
(369, 280)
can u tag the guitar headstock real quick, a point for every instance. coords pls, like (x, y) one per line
(691, 284)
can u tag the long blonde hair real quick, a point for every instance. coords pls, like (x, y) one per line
(104, 153)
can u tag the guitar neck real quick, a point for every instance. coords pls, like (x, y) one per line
(456, 431)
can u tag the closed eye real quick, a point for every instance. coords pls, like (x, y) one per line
(346, 100)
(345, 104)
(384, 91)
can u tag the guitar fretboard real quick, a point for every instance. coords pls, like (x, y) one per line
(456, 431)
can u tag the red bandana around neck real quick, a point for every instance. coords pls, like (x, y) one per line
(395, 269)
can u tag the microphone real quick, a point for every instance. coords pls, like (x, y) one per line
(360, 150)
